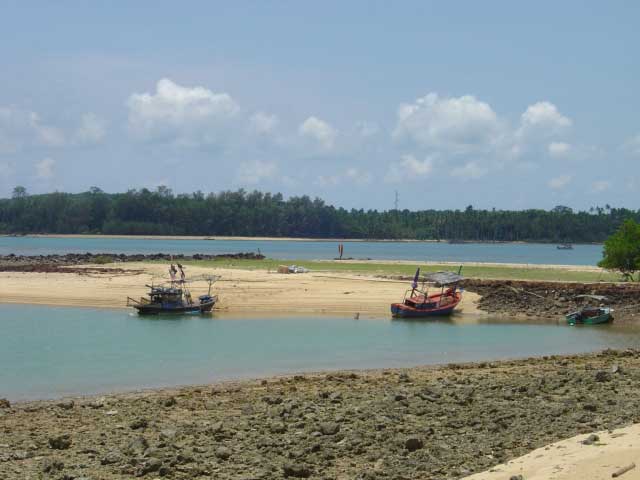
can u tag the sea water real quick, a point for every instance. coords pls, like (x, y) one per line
(526, 253)
(48, 352)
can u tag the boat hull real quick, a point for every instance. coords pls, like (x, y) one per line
(425, 310)
(176, 309)
(576, 319)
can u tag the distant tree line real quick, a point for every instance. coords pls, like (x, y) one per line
(241, 213)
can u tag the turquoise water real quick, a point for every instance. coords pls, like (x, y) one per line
(534, 253)
(48, 352)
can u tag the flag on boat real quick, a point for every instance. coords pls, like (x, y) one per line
(414, 284)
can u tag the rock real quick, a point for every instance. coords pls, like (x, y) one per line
(98, 403)
(616, 369)
(329, 428)
(52, 465)
(148, 466)
(66, 404)
(138, 424)
(413, 443)
(137, 446)
(591, 439)
(603, 376)
(22, 455)
(112, 457)
(404, 378)
(60, 442)
(168, 434)
(223, 453)
(272, 400)
(296, 470)
(278, 427)
(516, 477)
(4, 403)
(170, 402)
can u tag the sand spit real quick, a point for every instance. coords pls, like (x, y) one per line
(241, 291)
(423, 423)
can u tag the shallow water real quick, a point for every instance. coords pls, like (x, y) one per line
(50, 352)
(534, 253)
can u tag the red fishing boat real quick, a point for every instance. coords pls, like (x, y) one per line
(418, 303)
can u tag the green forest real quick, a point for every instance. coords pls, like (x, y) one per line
(242, 213)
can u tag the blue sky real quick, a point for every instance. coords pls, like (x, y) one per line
(495, 104)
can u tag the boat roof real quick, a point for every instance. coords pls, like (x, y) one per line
(443, 278)
(594, 297)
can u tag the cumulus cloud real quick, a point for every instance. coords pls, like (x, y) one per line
(44, 168)
(601, 186)
(350, 175)
(559, 149)
(470, 170)
(189, 116)
(319, 131)
(254, 172)
(409, 169)
(458, 124)
(19, 129)
(92, 130)
(559, 182)
(542, 118)
(263, 123)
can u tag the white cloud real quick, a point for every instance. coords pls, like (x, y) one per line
(409, 169)
(457, 124)
(263, 123)
(351, 175)
(254, 172)
(20, 128)
(542, 118)
(44, 168)
(559, 149)
(633, 145)
(559, 182)
(92, 130)
(320, 131)
(189, 116)
(601, 186)
(470, 170)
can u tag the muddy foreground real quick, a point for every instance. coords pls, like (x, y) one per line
(428, 423)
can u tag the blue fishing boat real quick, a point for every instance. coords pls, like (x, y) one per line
(174, 297)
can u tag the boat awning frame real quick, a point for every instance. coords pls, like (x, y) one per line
(443, 278)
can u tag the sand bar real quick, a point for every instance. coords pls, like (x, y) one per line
(240, 290)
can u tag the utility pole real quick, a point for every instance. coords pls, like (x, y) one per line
(396, 201)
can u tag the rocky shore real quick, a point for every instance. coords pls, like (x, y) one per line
(51, 263)
(553, 299)
(422, 423)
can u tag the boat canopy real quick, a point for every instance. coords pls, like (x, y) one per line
(443, 278)
(599, 298)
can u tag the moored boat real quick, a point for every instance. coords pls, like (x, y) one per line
(418, 303)
(590, 316)
(565, 246)
(174, 297)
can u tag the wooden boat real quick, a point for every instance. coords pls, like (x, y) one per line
(174, 297)
(590, 316)
(419, 304)
(565, 246)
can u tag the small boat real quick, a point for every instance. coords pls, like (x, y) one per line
(565, 246)
(174, 297)
(418, 303)
(590, 316)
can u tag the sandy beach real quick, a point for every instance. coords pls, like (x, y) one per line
(240, 291)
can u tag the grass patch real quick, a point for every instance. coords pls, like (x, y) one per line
(485, 272)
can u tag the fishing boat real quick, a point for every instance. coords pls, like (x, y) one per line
(174, 297)
(564, 246)
(418, 303)
(590, 316)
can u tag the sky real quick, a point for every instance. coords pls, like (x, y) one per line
(495, 104)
